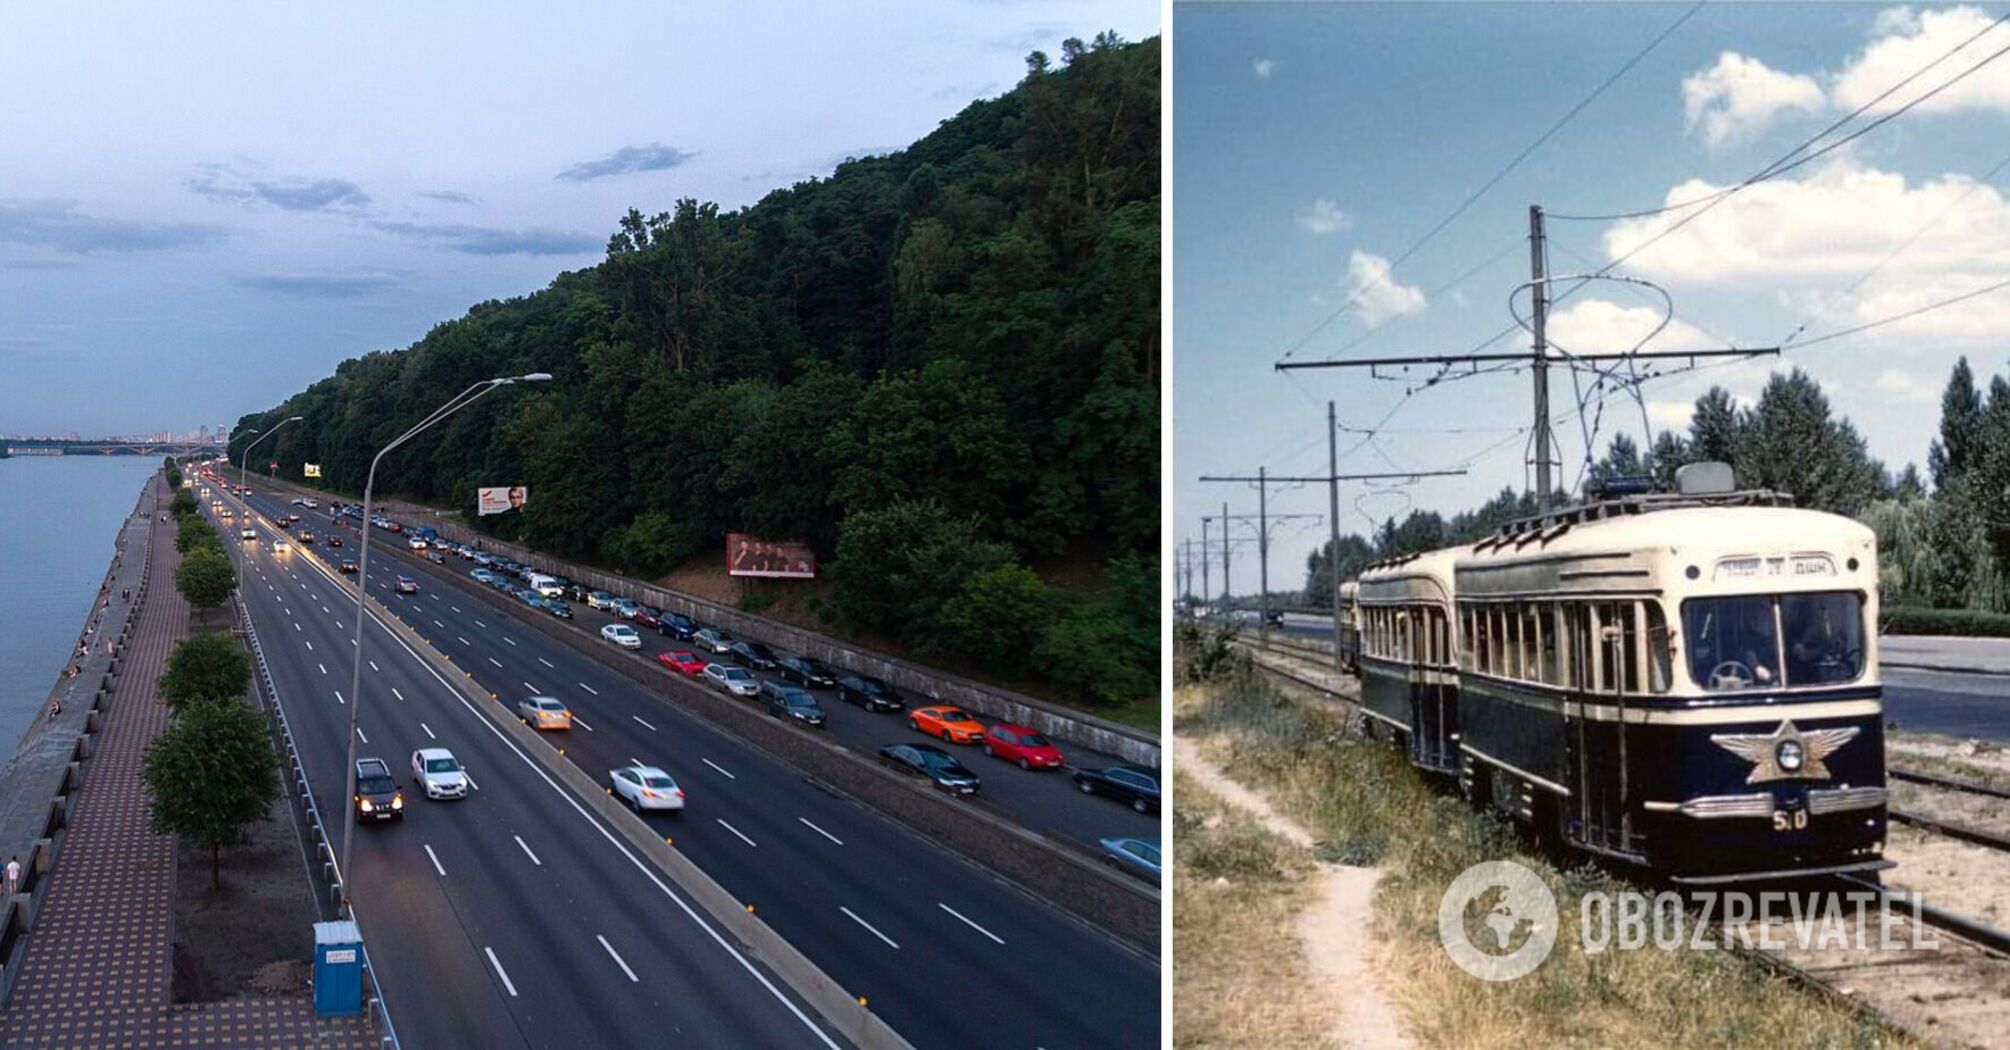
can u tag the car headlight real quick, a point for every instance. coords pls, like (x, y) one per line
(367, 807)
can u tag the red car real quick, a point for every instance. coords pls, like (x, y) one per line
(1022, 745)
(682, 662)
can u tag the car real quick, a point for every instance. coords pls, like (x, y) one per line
(1136, 785)
(295, 501)
(394, 526)
(713, 639)
(377, 795)
(599, 600)
(577, 592)
(682, 661)
(622, 635)
(349, 566)
(676, 625)
(1016, 743)
(808, 672)
(227, 514)
(416, 543)
(949, 723)
(438, 774)
(281, 547)
(754, 655)
(1137, 856)
(293, 519)
(335, 541)
(436, 557)
(544, 712)
(249, 533)
(868, 692)
(306, 536)
(646, 787)
(647, 616)
(788, 701)
(626, 608)
(484, 559)
(735, 680)
(558, 608)
(407, 585)
(939, 766)
(279, 521)
(482, 575)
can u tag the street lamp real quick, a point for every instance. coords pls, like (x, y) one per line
(246, 461)
(458, 402)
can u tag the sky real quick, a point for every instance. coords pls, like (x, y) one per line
(205, 207)
(1315, 145)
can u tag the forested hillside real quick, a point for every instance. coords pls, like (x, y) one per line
(936, 366)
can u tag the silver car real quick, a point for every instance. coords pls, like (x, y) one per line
(714, 639)
(735, 680)
(646, 787)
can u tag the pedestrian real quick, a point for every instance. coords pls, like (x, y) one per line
(55, 708)
(13, 875)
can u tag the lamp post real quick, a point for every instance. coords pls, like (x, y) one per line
(246, 461)
(458, 402)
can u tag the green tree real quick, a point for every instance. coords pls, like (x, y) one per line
(194, 531)
(1000, 614)
(1713, 429)
(1105, 651)
(211, 773)
(898, 564)
(1789, 442)
(1355, 554)
(1953, 453)
(183, 503)
(208, 666)
(205, 578)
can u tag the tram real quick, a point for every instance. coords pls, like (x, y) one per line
(1409, 680)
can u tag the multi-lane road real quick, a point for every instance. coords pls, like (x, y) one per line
(515, 918)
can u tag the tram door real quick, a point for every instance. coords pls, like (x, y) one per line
(1606, 635)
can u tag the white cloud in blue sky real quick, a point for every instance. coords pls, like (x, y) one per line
(1323, 216)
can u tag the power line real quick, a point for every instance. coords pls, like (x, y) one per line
(1882, 321)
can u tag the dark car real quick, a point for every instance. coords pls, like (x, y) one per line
(1135, 785)
(868, 692)
(558, 608)
(334, 541)
(926, 760)
(577, 592)
(754, 655)
(788, 701)
(348, 565)
(676, 625)
(808, 671)
(377, 795)
(647, 616)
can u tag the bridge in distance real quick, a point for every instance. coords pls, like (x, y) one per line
(110, 446)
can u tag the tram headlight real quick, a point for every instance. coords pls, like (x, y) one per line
(1789, 755)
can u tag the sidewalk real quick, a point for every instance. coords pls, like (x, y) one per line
(1920, 652)
(97, 966)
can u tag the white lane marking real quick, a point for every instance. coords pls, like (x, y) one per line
(491, 952)
(323, 667)
(534, 690)
(527, 852)
(867, 925)
(330, 612)
(296, 626)
(359, 732)
(436, 860)
(455, 608)
(429, 731)
(436, 623)
(645, 725)
(735, 831)
(495, 661)
(396, 693)
(338, 697)
(589, 689)
(718, 767)
(471, 780)
(582, 723)
(617, 958)
(508, 639)
(481, 625)
(967, 922)
(373, 667)
(820, 831)
(464, 641)
(338, 626)
(543, 661)
(310, 645)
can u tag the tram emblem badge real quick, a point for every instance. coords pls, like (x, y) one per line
(1786, 753)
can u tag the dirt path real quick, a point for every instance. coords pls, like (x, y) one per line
(1334, 929)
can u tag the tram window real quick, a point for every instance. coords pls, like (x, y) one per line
(1545, 616)
(1733, 642)
(1466, 639)
(1824, 635)
(1441, 627)
(1511, 641)
(1658, 673)
(1577, 644)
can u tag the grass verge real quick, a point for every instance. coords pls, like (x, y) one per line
(1366, 805)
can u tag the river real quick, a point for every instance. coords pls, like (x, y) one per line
(59, 517)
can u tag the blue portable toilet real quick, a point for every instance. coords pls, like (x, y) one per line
(338, 968)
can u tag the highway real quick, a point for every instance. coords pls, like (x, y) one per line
(928, 937)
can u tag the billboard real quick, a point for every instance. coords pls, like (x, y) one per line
(310, 470)
(752, 556)
(500, 499)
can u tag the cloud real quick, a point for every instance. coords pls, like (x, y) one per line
(451, 197)
(1594, 326)
(1671, 415)
(220, 182)
(57, 224)
(1904, 387)
(1903, 41)
(320, 285)
(486, 240)
(1324, 217)
(626, 161)
(1739, 97)
(1263, 68)
(1376, 296)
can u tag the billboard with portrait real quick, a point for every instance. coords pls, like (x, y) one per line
(753, 556)
(500, 499)
(310, 470)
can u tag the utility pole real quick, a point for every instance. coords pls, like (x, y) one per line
(1205, 588)
(1225, 592)
(1539, 287)
(1333, 530)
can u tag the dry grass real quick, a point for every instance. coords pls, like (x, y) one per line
(1236, 957)
(1367, 805)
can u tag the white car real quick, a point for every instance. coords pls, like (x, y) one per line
(544, 712)
(622, 635)
(280, 547)
(646, 787)
(437, 772)
(735, 680)
(249, 533)
(416, 543)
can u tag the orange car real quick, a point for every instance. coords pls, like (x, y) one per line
(949, 723)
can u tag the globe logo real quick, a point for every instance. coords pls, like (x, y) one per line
(1511, 912)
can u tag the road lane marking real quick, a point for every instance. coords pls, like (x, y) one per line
(326, 609)
(359, 732)
(534, 691)
(471, 780)
(464, 641)
(436, 863)
(437, 623)
(617, 958)
(718, 767)
(820, 831)
(338, 697)
(429, 731)
(310, 645)
(527, 852)
(645, 725)
(736, 831)
(869, 926)
(508, 639)
(374, 667)
(495, 661)
(491, 952)
(296, 624)
(396, 693)
(338, 626)
(582, 723)
(967, 922)
(481, 625)
(545, 662)
(323, 667)
(589, 689)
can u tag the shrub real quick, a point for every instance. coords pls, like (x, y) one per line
(209, 666)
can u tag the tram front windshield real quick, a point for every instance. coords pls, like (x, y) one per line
(1772, 642)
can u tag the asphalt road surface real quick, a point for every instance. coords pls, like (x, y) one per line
(946, 952)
